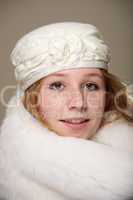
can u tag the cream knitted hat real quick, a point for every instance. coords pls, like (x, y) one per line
(56, 47)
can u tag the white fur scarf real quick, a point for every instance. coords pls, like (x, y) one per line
(35, 163)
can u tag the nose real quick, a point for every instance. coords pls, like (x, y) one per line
(77, 100)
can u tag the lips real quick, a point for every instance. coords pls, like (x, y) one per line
(75, 121)
(76, 124)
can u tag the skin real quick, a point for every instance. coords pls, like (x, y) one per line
(71, 94)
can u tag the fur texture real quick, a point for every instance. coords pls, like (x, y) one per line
(35, 163)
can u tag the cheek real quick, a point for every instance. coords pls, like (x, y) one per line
(51, 104)
(96, 103)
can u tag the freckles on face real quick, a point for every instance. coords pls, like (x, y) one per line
(52, 103)
(73, 95)
(96, 104)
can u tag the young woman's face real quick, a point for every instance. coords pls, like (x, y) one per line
(72, 102)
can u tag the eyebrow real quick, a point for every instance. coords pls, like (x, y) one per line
(86, 75)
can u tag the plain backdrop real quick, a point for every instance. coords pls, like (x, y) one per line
(112, 17)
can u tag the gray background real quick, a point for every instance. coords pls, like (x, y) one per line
(112, 17)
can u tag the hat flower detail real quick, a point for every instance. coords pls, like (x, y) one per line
(56, 47)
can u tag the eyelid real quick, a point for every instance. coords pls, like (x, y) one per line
(99, 84)
(82, 84)
(90, 82)
(52, 82)
(55, 82)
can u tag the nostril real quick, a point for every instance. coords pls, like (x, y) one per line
(77, 102)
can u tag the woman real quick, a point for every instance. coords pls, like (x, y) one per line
(68, 130)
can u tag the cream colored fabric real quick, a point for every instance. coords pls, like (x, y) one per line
(58, 46)
(35, 163)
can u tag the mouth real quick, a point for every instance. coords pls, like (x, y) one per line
(75, 123)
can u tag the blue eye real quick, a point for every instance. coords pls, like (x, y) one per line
(92, 86)
(56, 86)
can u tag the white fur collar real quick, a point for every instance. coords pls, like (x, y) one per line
(38, 164)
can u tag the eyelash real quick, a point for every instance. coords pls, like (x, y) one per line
(58, 83)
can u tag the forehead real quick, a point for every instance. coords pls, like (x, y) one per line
(78, 73)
